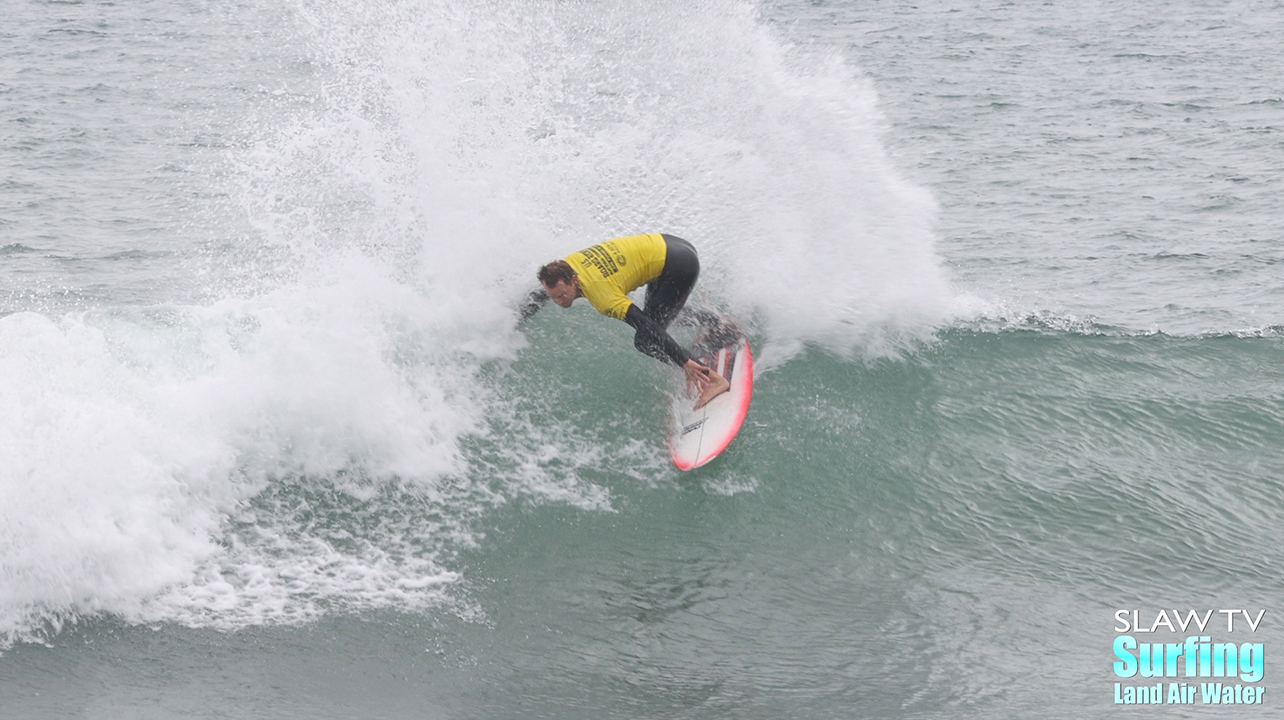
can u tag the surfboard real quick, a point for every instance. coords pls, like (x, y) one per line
(698, 436)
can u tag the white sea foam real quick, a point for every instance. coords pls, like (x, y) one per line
(135, 438)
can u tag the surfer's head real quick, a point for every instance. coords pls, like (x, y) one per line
(560, 282)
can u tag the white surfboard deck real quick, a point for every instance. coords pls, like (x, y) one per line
(698, 436)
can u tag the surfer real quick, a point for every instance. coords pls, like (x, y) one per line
(605, 273)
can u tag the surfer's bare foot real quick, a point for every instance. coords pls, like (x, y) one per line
(717, 385)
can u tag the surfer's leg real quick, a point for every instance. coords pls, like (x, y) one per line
(698, 317)
(666, 295)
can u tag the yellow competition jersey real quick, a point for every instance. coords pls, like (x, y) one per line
(610, 270)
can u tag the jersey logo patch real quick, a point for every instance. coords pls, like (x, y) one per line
(599, 258)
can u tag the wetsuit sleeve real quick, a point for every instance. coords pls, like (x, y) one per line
(534, 301)
(656, 336)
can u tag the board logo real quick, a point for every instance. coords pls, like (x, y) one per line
(688, 429)
(1220, 672)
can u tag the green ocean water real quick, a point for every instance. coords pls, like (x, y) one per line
(273, 443)
(949, 537)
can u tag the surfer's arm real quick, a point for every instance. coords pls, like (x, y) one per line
(534, 301)
(651, 333)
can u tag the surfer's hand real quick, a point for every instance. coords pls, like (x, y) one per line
(697, 375)
(709, 383)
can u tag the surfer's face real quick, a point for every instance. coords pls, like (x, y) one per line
(563, 293)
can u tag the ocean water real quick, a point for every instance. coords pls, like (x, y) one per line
(273, 443)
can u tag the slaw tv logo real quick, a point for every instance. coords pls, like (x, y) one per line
(1195, 669)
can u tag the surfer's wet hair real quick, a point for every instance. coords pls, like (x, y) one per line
(556, 272)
